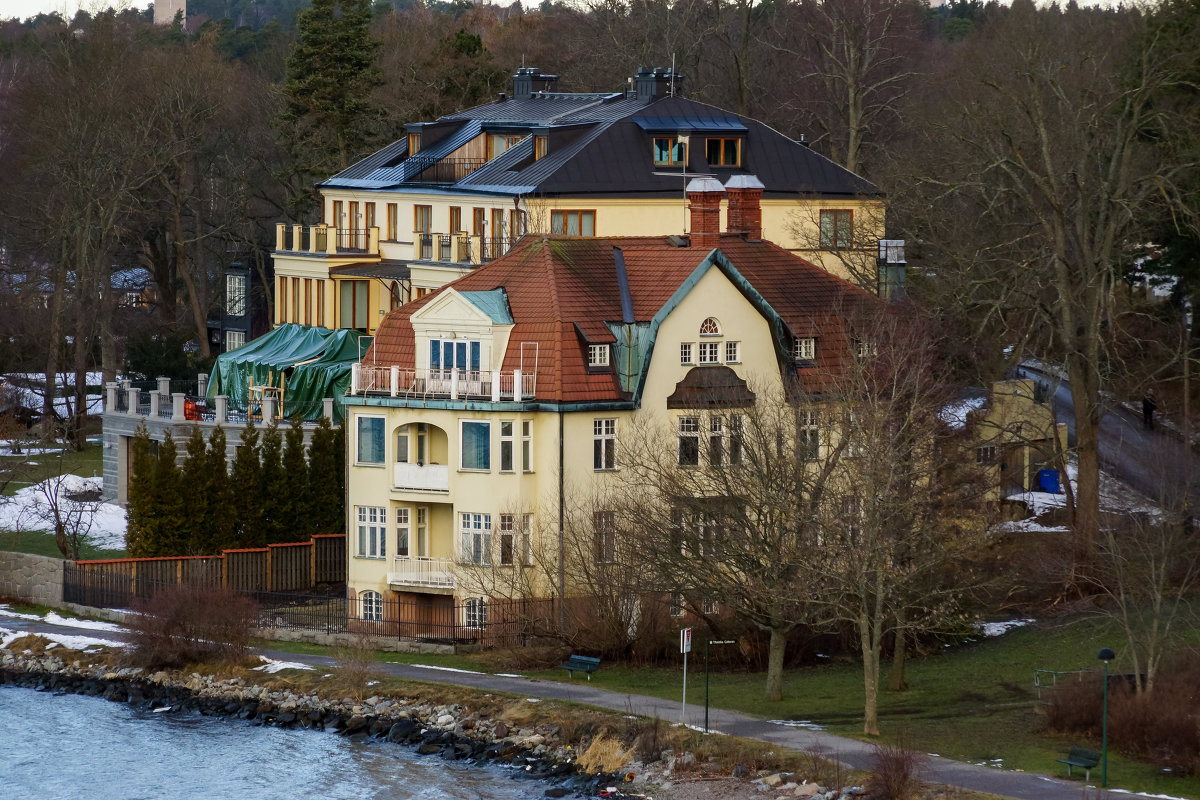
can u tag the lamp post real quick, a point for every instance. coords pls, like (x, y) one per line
(1106, 655)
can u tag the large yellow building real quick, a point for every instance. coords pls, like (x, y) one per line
(461, 191)
(485, 407)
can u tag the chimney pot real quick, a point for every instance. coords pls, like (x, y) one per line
(745, 205)
(704, 205)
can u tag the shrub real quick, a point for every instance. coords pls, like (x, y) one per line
(895, 773)
(356, 663)
(183, 625)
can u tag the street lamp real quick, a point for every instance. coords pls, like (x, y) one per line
(1106, 655)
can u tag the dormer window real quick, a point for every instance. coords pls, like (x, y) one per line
(805, 349)
(598, 356)
(414, 143)
(499, 143)
(723, 152)
(539, 147)
(668, 152)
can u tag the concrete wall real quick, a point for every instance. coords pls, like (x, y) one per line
(34, 579)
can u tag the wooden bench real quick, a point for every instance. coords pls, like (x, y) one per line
(585, 664)
(1083, 758)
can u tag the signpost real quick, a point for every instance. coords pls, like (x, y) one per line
(685, 647)
(707, 642)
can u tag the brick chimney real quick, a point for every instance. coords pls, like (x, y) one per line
(704, 203)
(745, 205)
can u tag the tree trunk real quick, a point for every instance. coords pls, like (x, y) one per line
(1085, 393)
(775, 654)
(870, 657)
(59, 279)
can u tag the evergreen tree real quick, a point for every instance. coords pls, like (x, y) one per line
(194, 500)
(272, 489)
(326, 479)
(329, 121)
(293, 504)
(163, 537)
(221, 515)
(246, 469)
(140, 507)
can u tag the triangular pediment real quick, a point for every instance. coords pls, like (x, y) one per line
(451, 308)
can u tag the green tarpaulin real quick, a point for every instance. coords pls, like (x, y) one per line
(315, 363)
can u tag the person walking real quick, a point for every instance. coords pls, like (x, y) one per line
(1148, 409)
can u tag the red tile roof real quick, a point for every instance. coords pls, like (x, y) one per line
(559, 287)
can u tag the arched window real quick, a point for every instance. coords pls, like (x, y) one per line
(710, 327)
(372, 606)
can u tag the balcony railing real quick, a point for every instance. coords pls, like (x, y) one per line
(429, 169)
(455, 384)
(422, 571)
(422, 477)
(325, 240)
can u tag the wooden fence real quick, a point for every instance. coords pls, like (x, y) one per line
(291, 567)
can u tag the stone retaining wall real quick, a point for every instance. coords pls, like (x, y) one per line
(33, 579)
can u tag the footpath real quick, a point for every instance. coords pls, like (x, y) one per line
(856, 754)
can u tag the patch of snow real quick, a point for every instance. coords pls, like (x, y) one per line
(533, 699)
(700, 729)
(1030, 525)
(30, 510)
(73, 642)
(272, 666)
(955, 414)
(5, 611)
(1143, 794)
(508, 675)
(55, 619)
(798, 723)
(448, 669)
(990, 629)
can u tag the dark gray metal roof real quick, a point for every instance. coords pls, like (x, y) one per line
(688, 123)
(386, 269)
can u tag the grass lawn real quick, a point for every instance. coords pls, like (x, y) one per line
(42, 544)
(30, 469)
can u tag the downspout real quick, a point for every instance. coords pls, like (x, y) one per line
(562, 548)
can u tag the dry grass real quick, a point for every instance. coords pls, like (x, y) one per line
(604, 754)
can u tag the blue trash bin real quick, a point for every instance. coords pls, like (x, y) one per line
(1048, 481)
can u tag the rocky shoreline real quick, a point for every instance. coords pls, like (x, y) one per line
(449, 731)
(433, 730)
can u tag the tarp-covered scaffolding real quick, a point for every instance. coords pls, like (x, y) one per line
(314, 364)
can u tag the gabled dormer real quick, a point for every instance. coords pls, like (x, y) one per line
(464, 331)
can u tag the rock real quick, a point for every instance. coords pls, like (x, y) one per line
(402, 730)
(556, 791)
(500, 731)
(806, 790)
(445, 721)
(773, 780)
(429, 749)
(741, 771)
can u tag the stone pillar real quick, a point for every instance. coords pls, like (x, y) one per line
(297, 238)
(164, 385)
(373, 240)
(222, 414)
(268, 410)
(327, 408)
(280, 234)
(177, 414)
(516, 385)
(155, 399)
(132, 399)
(394, 389)
(110, 397)
(202, 384)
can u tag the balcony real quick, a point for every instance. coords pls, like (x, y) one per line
(453, 384)
(429, 169)
(324, 240)
(425, 572)
(421, 477)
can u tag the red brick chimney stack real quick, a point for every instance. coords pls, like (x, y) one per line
(745, 205)
(704, 203)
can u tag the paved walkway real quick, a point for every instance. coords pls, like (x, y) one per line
(1026, 786)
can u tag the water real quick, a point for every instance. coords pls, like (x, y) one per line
(70, 746)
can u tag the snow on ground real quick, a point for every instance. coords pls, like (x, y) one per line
(798, 723)
(7, 636)
(448, 669)
(990, 629)
(8, 447)
(54, 618)
(955, 414)
(273, 666)
(29, 510)
(1114, 496)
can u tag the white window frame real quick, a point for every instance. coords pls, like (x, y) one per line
(372, 532)
(709, 353)
(403, 533)
(462, 423)
(527, 445)
(733, 352)
(234, 340)
(718, 444)
(508, 540)
(716, 323)
(235, 295)
(371, 604)
(985, 455)
(809, 433)
(687, 427)
(526, 540)
(598, 355)
(676, 610)
(736, 445)
(687, 353)
(604, 444)
(805, 348)
(507, 446)
(475, 613)
(865, 349)
(375, 419)
(604, 529)
(475, 538)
